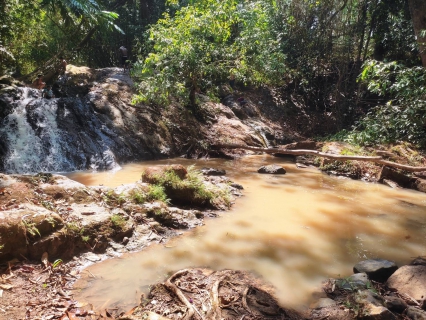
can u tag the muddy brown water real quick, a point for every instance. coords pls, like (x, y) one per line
(294, 230)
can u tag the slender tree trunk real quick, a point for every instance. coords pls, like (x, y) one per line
(143, 9)
(418, 16)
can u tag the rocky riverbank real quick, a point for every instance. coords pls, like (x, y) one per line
(51, 219)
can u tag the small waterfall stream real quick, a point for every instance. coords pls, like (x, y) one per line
(54, 135)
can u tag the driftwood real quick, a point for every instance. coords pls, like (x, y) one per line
(298, 152)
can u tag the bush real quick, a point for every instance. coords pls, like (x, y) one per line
(403, 116)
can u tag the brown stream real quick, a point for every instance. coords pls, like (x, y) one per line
(294, 230)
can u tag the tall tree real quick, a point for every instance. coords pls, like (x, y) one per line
(418, 16)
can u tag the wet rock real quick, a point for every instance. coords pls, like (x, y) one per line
(354, 282)
(6, 79)
(419, 261)
(272, 169)
(323, 303)
(415, 313)
(410, 280)
(391, 184)
(396, 177)
(213, 172)
(237, 186)
(395, 304)
(420, 185)
(376, 269)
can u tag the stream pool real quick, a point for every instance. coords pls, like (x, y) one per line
(294, 230)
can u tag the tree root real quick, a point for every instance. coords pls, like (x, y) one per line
(376, 159)
(244, 299)
(172, 287)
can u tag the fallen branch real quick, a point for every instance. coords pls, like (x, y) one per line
(375, 159)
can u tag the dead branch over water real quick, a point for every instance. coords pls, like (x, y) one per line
(298, 152)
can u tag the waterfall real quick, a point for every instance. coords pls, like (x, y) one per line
(37, 141)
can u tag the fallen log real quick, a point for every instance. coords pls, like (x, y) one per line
(338, 157)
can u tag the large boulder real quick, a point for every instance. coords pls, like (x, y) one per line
(377, 269)
(410, 280)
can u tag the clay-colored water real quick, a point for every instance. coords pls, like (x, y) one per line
(294, 230)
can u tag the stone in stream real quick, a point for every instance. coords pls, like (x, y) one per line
(410, 280)
(377, 269)
(354, 282)
(213, 172)
(272, 169)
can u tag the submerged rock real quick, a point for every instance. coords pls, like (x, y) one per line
(272, 169)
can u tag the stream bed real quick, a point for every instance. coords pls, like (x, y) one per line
(294, 230)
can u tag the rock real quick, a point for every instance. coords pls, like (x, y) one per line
(213, 172)
(272, 169)
(391, 184)
(419, 261)
(396, 177)
(372, 312)
(395, 304)
(237, 186)
(6, 80)
(323, 303)
(376, 269)
(307, 145)
(420, 185)
(354, 282)
(410, 280)
(153, 174)
(415, 313)
(373, 308)
(368, 297)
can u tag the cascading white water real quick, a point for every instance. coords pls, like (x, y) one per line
(33, 146)
(36, 143)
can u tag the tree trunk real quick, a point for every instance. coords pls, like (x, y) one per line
(143, 9)
(337, 157)
(418, 16)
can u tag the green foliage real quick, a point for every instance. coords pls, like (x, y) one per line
(112, 198)
(118, 221)
(204, 43)
(31, 228)
(57, 263)
(402, 116)
(156, 192)
(192, 187)
(74, 228)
